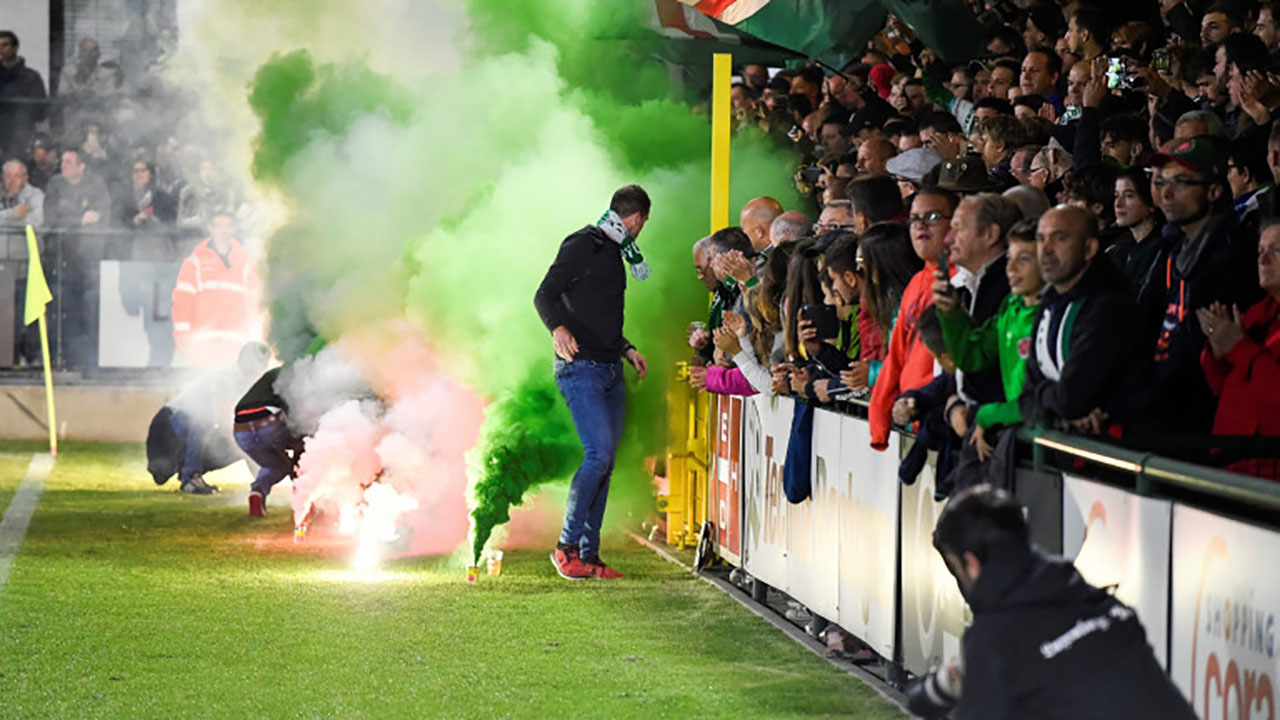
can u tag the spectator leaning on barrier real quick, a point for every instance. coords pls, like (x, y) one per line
(1204, 263)
(979, 287)
(731, 254)
(1002, 341)
(1044, 643)
(76, 197)
(1084, 338)
(22, 203)
(908, 364)
(841, 360)
(929, 405)
(1242, 360)
(886, 263)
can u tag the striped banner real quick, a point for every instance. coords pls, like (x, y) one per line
(727, 11)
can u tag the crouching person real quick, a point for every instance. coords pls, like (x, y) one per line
(1044, 643)
(190, 436)
(262, 432)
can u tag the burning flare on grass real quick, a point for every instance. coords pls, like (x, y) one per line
(384, 462)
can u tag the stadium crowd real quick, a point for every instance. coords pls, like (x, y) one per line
(107, 161)
(1081, 230)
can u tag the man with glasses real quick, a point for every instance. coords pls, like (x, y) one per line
(837, 215)
(909, 365)
(1205, 261)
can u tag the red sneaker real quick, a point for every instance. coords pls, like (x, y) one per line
(568, 564)
(257, 505)
(599, 570)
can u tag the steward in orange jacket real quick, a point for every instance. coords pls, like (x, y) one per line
(215, 301)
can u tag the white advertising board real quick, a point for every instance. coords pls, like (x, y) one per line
(1226, 593)
(1119, 538)
(867, 494)
(767, 431)
(934, 614)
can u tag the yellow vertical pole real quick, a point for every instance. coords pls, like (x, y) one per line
(722, 72)
(36, 307)
(48, 386)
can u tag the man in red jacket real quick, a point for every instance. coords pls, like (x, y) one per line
(909, 364)
(1242, 360)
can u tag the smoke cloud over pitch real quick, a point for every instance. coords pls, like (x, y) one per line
(422, 165)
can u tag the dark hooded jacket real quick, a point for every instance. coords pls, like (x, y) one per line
(1045, 644)
(1188, 274)
(1088, 334)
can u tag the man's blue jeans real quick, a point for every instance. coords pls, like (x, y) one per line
(597, 397)
(268, 447)
(184, 427)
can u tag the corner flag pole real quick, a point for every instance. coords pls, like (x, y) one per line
(38, 297)
(722, 71)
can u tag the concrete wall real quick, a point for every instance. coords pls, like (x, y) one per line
(85, 413)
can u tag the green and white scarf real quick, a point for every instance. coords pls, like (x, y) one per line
(612, 226)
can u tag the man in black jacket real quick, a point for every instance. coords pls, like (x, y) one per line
(1207, 258)
(1043, 643)
(581, 302)
(22, 99)
(978, 249)
(262, 431)
(1083, 339)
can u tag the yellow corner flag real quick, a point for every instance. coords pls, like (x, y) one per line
(38, 296)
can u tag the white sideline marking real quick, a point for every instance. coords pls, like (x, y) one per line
(14, 525)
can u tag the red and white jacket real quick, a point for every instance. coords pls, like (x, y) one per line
(216, 304)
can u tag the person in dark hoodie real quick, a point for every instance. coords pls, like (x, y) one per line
(1083, 340)
(1207, 259)
(1044, 643)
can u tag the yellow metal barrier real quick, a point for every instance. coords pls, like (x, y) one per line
(686, 502)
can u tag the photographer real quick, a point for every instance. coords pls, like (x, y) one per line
(1043, 643)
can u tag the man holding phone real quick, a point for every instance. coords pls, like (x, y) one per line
(581, 302)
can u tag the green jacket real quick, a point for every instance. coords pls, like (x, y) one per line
(1005, 337)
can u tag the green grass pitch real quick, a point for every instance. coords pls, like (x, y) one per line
(128, 601)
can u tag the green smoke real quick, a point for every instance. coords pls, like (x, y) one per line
(444, 198)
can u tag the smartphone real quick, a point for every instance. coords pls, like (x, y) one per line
(1115, 72)
(1160, 60)
(823, 318)
(944, 263)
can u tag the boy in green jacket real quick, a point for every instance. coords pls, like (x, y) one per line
(1004, 338)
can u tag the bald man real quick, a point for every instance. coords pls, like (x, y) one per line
(756, 217)
(789, 227)
(1080, 378)
(873, 154)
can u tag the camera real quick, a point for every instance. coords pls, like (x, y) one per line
(811, 174)
(937, 693)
